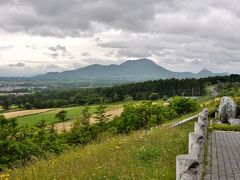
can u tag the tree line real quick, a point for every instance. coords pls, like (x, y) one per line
(149, 90)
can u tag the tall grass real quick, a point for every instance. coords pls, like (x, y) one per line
(140, 155)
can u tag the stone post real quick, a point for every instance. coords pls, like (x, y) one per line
(190, 166)
(187, 167)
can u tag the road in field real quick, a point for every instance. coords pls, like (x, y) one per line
(25, 113)
(66, 126)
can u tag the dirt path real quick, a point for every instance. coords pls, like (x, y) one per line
(25, 113)
(66, 126)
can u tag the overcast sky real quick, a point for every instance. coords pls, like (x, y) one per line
(181, 35)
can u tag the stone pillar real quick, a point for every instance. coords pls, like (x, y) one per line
(187, 167)
(190, 166)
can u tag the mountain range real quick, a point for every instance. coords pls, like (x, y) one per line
(130, 70)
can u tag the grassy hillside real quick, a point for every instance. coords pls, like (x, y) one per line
(140, 155)
(72, 113)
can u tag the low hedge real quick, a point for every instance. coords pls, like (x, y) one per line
(225, 127)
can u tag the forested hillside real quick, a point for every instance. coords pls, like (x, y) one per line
(151, 90)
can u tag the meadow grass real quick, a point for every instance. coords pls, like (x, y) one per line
(72, 113)
(141, 155)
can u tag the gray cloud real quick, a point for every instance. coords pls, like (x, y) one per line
(75, 17)
(58, 51)
(58, 48)
(173, 32)
(86, 54)
(134, 52)
(18, 65)
(34, 47)
(109, 54)
(177, 49)
(89, 61)
(50, 66)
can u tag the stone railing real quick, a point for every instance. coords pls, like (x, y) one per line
(190, 166)
(184, 121)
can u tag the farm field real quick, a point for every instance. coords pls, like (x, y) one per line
(25, 113)
(141, 155)
(66, 126)
(72, 113)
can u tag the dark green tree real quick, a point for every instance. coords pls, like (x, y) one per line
(41, 124)
(85, 116)
(100, 114)
(61, 115)
(154, 96)
(6, 104)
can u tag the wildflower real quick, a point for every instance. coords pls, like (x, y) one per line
(117, 147)
(3, 175)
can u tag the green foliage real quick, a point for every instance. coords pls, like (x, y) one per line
(147, 155)
(6, 104)
(139, 155)
(142, 115)
(184, 105)
(225, 127)
(134, 91)
(41, 124)
(19, 144)
(81, 135)
(61, 115)
(128, 98)
(165, 98)
(85, 116)
(100, 114)
(115, 97)
(154, 96)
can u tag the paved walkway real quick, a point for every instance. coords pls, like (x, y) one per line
(224, 156)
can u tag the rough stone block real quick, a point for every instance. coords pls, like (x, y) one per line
(187, 168)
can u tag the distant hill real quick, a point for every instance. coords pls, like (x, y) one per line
(131, 70)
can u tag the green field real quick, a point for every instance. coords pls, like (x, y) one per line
(72, 113)
(140, 155)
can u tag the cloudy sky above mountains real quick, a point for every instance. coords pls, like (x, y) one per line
(181, 35)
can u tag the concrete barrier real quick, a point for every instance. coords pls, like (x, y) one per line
(190, 166)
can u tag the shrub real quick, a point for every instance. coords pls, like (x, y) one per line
(154, 96)
(19, 144)
(128, 98)
(237, 100)
(80, 135)
(85, 116)
(61, 115)
(184, 105)
(141, 115)
(165, 98)
(101, 115)
(225, 127)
